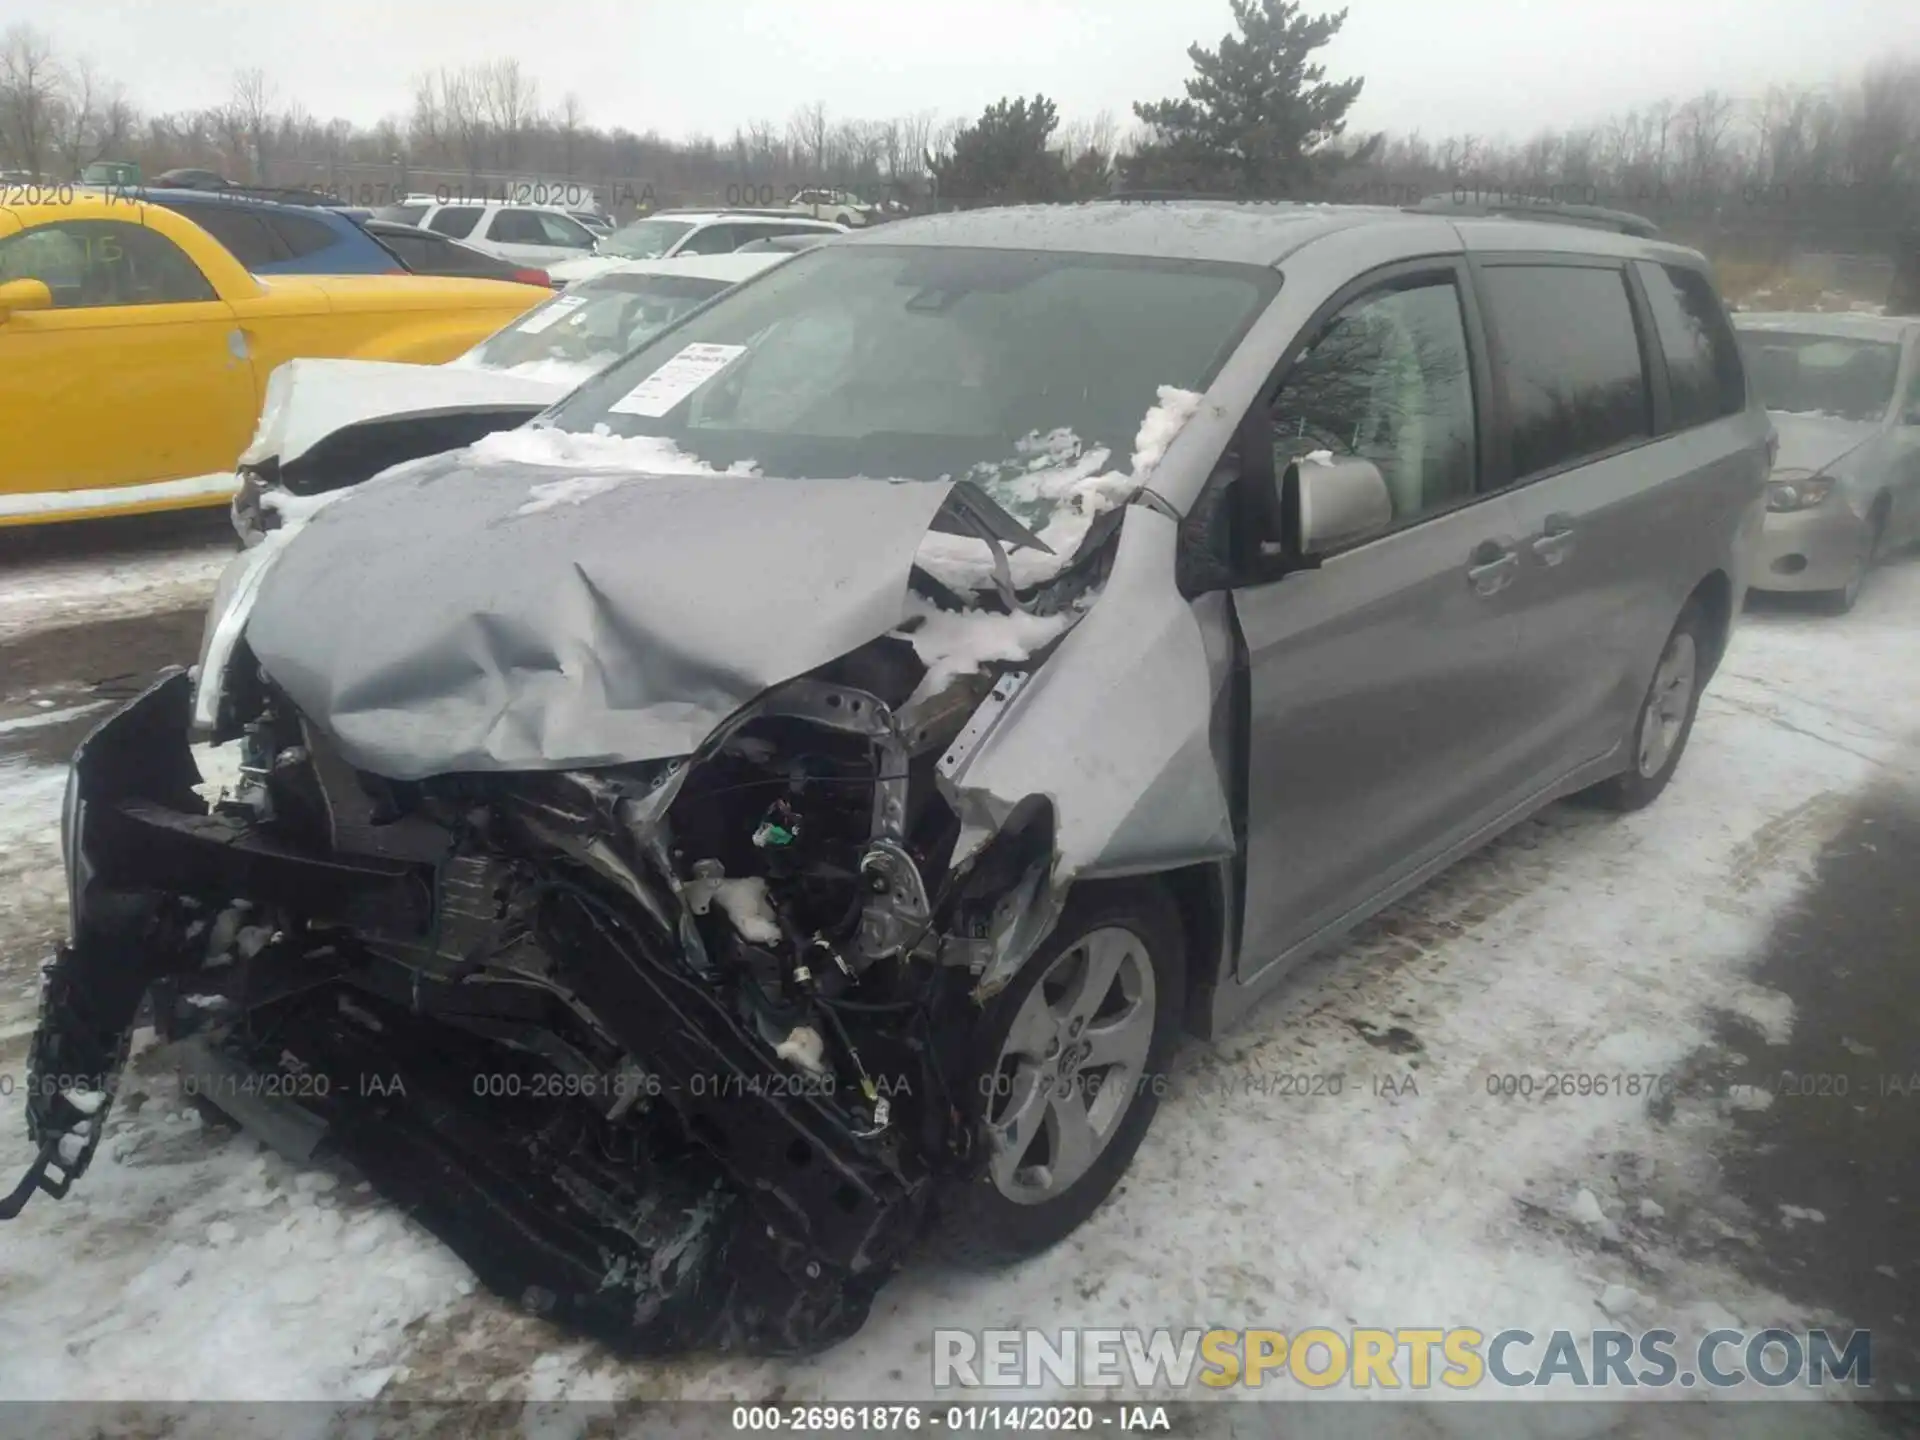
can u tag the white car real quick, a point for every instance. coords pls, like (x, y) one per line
(328, 424)
(670, 234)
(842, 207)
(542, 235)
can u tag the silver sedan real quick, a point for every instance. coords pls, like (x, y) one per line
(1843, 392)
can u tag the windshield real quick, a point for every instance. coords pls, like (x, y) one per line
(590, 325)
(1821, 375)
(1002, 366)
(644, 239)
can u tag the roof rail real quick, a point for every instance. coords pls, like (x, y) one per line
(1520, 207)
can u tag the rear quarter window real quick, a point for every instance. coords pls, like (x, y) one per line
(455, 220)
(301, 234)
(1705, 378)
(1569, 361)
(245, 236)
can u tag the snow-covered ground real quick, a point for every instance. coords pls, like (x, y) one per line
(190, 1264)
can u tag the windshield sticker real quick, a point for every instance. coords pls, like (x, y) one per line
(677, 379)
(551, 314)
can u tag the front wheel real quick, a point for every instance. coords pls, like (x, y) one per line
(1070, 1065)
(1665, 719)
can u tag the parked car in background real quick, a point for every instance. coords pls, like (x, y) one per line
(842, 207)
(190, 178)
(596, 222)
(426, 252)
(136, 350)
(1843, 392)
(914, 687)
(113, 174)
(328, 424)
(542, 235)
(667, 234)
(408, 210)
(269, 237)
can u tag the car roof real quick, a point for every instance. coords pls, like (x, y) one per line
(1840, 324)
(731, 268)
(478, 204)
(162, 195)
(1246, 231)
(702, 217)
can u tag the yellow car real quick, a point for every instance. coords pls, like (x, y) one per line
(135, 351)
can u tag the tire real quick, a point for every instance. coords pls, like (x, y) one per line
(1841, 601)
(1003, 1212)
(1650, 767)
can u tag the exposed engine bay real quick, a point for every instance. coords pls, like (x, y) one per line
(674, 1053)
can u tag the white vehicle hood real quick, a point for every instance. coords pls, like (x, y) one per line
(1814, 442)
(308, 400)
(585, 268)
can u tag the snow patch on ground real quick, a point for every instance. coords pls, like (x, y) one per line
(50, 593)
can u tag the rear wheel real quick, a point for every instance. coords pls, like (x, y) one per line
(1665, 719)
(1070, 1062)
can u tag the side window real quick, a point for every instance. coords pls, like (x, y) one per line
(713, 240)
(1910, 403)
(93, 263)
(240, 231)
(1704, 375)
(559, 230)
(455, 220)
(516, 227)
(1388, 379)
(301, 234)
(1570, 361)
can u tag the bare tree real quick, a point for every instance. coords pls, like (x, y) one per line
(1700, 131)
(510, 99)
(252, 105)
(31, 85)
(466, 124)
(569, 119)
(426, 125)
(807, 129)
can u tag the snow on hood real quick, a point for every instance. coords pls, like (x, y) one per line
(309, 400)
(1060, 488)
(1814, 441)
(442, 622)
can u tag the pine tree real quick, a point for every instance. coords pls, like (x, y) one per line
(1004, 156)
(1259, 117)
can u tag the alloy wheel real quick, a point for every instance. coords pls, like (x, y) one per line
(1070, 1065)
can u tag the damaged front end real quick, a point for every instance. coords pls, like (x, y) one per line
(672, 1052)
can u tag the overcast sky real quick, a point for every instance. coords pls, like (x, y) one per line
(1473, 66)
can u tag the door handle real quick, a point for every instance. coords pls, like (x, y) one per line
(1494, 567)
(1555, 539)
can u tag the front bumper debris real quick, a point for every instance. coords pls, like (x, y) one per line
(699, 1201)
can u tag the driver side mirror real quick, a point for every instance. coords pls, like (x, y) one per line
(24, 295)
(1324, 503)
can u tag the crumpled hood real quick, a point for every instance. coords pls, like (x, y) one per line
(447, 617)
(309, 400)
(1813, 442)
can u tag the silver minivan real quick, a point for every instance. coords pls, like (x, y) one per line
(794, 791)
